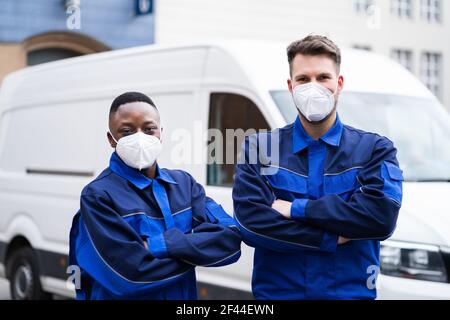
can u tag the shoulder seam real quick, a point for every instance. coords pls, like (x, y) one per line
(362, 132)
(83, 193)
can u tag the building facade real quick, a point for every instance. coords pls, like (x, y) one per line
(414, 32)
(32, 32)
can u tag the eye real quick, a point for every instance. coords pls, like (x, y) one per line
(126, 131)
(324, 77)
(150, 130)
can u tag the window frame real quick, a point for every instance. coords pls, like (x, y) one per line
(403, 9)
(361, 6)
(252, 97)
(430, 71)
(431, 11)
(403, 56)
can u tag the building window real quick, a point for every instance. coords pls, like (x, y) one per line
(404, 57)
(361, 6)
(230, 112)
(402, 8)
(362, 47)
(431, 66)
(53, 46)
(431, 10)
(49, 54)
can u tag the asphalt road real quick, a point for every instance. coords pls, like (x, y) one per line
(4, 290)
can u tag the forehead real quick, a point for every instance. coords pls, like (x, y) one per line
(136, 111)
(308, 64)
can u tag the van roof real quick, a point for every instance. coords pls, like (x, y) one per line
(363, 71)
(263, 63)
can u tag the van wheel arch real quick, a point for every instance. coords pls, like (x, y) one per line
(22, 264)
(14, 245)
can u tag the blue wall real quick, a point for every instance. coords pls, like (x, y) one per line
(112, 22)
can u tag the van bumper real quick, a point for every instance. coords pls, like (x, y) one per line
(394, 288)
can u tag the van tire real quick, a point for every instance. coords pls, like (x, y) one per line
(24, 276)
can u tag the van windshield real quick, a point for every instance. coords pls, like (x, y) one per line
(419, 128)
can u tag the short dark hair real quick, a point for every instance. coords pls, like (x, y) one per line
(314, 45)
(128, 97)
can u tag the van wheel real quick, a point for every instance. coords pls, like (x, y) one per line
(24, 282)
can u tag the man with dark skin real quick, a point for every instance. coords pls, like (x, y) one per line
(131, 118)
(141, 229)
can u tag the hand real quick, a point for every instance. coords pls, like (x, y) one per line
(342, 240)
(283, 207)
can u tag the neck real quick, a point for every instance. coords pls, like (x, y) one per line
(317, 130)
(150, 172)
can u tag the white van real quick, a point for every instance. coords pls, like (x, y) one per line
(53, 123)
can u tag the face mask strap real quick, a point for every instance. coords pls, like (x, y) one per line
(160, 138)
(113, 137)
(333, 93)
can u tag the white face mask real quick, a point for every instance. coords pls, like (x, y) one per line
(138, 150)
(313, 100)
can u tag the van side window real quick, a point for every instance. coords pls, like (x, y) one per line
(233, 116)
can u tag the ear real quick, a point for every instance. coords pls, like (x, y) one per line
(161, 135)
(340, 83)
(111, 140)
(289, 83)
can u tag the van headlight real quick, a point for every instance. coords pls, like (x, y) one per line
(414, 261)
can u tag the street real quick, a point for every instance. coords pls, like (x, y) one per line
(4, 290)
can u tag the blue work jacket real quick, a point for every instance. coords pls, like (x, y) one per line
(121, 209)
(347, 183)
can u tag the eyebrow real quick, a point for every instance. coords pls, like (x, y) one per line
(150, 122)
(320, 74)
(125, 122)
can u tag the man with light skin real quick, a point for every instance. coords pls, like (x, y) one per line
(317, 216)
(324, 71)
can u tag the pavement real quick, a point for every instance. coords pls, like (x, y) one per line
(4, 290)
